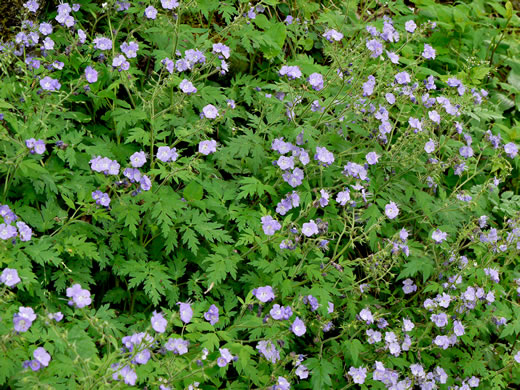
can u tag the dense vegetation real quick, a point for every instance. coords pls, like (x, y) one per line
(284, 194)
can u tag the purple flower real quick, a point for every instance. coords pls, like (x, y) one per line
(355, 170)
(102, 43)
(82, 36)
(177, 346)
(282, 384)
(466, 151)
(439, 236)
(358, 374)
(142, 357)
(408, 286)
(132, 174)
(192, 57)
(312, 301)
(21, 324)
(295, 178)
(58, 316)
(324, 199)
(458, 328)
(410, 26)
(343, 197)
(130, 49)
(212, 315)
(285, 163)
(127, 374)
(219, 48)
(511, 149)
(80, 297)
(120, 63)
(408, 325)
(24, 231)
(50, 84)
(277, 312)
(434, 116)
(492, 273)
(169, 64)
(429, 52)
(368, 86)
(391, 210)
(10, 277)
(187, 87)
(402, 78)
(298, 327)
(316, 81)
(209, 111)
(517, 357)
(91, 74)
(280, 146)
(443, 300)
(389, 32)
(7, 231)
(324, 156)
(415, 123)
(64, 18)
(268, 350)
(440, 320)
(375, 47)
(333, 35)
(429, 147)
(302, 372)
(33, 364)
(186, 312)
(284, 206)
(310, 228)
(23, 319)
(159, 323)
(32, 5)
(390, 98)
(35, 146)
(138, 159)
(208, 147)
(292, 72)
(270, 225)
(442, 341)
(166, 154)
(264, 294)
(169, 4)
(251, 14)
(101, 198)
(225, 357)
(145, 183)
(366, 316)
(372, 158)
(42, 356)
(150, 12)
(48, 44)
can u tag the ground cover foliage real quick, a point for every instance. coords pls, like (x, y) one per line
(277, 195)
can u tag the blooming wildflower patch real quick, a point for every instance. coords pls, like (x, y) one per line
(272, 195)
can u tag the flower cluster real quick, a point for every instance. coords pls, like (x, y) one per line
(8, 231)
(79, 296)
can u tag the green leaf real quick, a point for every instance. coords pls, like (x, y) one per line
(417, 265)
(82, 343)
(193, 191)
(353, 348)
(42, 251)
(220, 265)
(321, 370)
